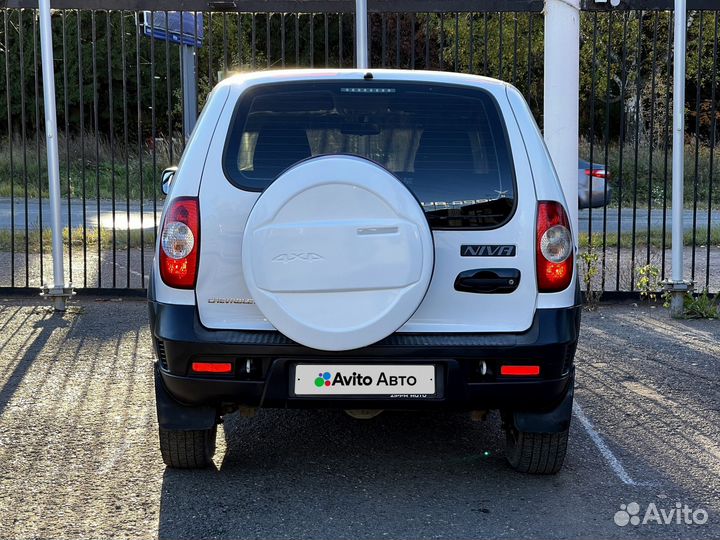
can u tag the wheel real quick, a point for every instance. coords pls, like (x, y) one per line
(187, 449)
(536, 453)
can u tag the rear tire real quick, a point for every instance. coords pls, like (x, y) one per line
(187, 449)
(536, 453)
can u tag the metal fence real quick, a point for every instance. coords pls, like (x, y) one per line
(120, 106)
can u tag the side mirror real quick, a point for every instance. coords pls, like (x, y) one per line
(167, 178)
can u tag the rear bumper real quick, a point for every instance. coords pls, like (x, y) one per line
(600, 196)
(180, 338)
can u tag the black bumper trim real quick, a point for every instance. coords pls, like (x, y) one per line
(550, 341)
(181, 323)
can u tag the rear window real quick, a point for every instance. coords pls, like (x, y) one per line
(447, 144)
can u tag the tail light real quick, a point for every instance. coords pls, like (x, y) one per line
(520, 371)
(597, 173)
(554, 248)
(180, 243)
(212, 367)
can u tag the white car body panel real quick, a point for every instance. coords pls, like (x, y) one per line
(547, 185)
(186, 183)
(223, 297)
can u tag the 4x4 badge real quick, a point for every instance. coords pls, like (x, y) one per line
(297, 257)
(486, 250)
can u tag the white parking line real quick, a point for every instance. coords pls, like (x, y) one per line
(602, 446)
(133, 272)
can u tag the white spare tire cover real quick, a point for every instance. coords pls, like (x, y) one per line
(337, 253)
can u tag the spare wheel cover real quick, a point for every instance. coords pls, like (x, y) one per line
(337, 253)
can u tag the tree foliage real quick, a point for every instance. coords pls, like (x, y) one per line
(112, 79)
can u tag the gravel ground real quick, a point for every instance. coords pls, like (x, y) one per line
(79, 456)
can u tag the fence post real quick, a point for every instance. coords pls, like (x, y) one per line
(58, 292)
(562, 96)
(189, 80)
(361, 34)
(677, 286)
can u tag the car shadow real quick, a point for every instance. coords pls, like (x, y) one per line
(321, 473)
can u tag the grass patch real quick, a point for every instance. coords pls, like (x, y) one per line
(655, 239)
(128, 173)
(702, 306)
(76, 239)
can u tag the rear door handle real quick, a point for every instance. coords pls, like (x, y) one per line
(488, 280)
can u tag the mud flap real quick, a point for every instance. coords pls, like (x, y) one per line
(172, 415)
(553, 421)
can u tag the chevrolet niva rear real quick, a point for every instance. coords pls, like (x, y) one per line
(365, 240)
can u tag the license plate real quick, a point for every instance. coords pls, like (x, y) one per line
(364, 380)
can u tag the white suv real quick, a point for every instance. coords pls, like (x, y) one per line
(365, 240)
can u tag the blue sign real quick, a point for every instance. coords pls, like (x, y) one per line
(180, 27)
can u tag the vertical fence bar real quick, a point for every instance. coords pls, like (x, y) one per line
(340, 40)
(83, 179)
(486, 41)
(666, 146)
(268, 17)
(606, 136)
(471, 59)
(697, 146)
(153, 123)
(23, 132)
(297, 40)
(515, 48)
(38, 162)
(638, 78)
(500, 44)
(456, 58)
(354, 47)
(96, 129)
(252, 38)
(326, 30)
(126, 140)
(397, 40)
(196, 76)
(593, 71)
(529, 54)
(383, 34)
(168, 95)
(713, 127)
(282, 39)
(427, 41)
(185, 95)
(412, 40)
(8, 101)
(623, 81)
(225, 43)
(651, 138)
(239, 38)
(442, 41)
(111, 133)
(211, 75)
(140, 156)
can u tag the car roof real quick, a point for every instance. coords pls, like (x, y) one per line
(293, 75)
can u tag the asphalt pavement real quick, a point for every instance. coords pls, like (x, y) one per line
(79, 452)
(147, 215)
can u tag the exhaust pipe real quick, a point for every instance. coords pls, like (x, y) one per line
(361, 34)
